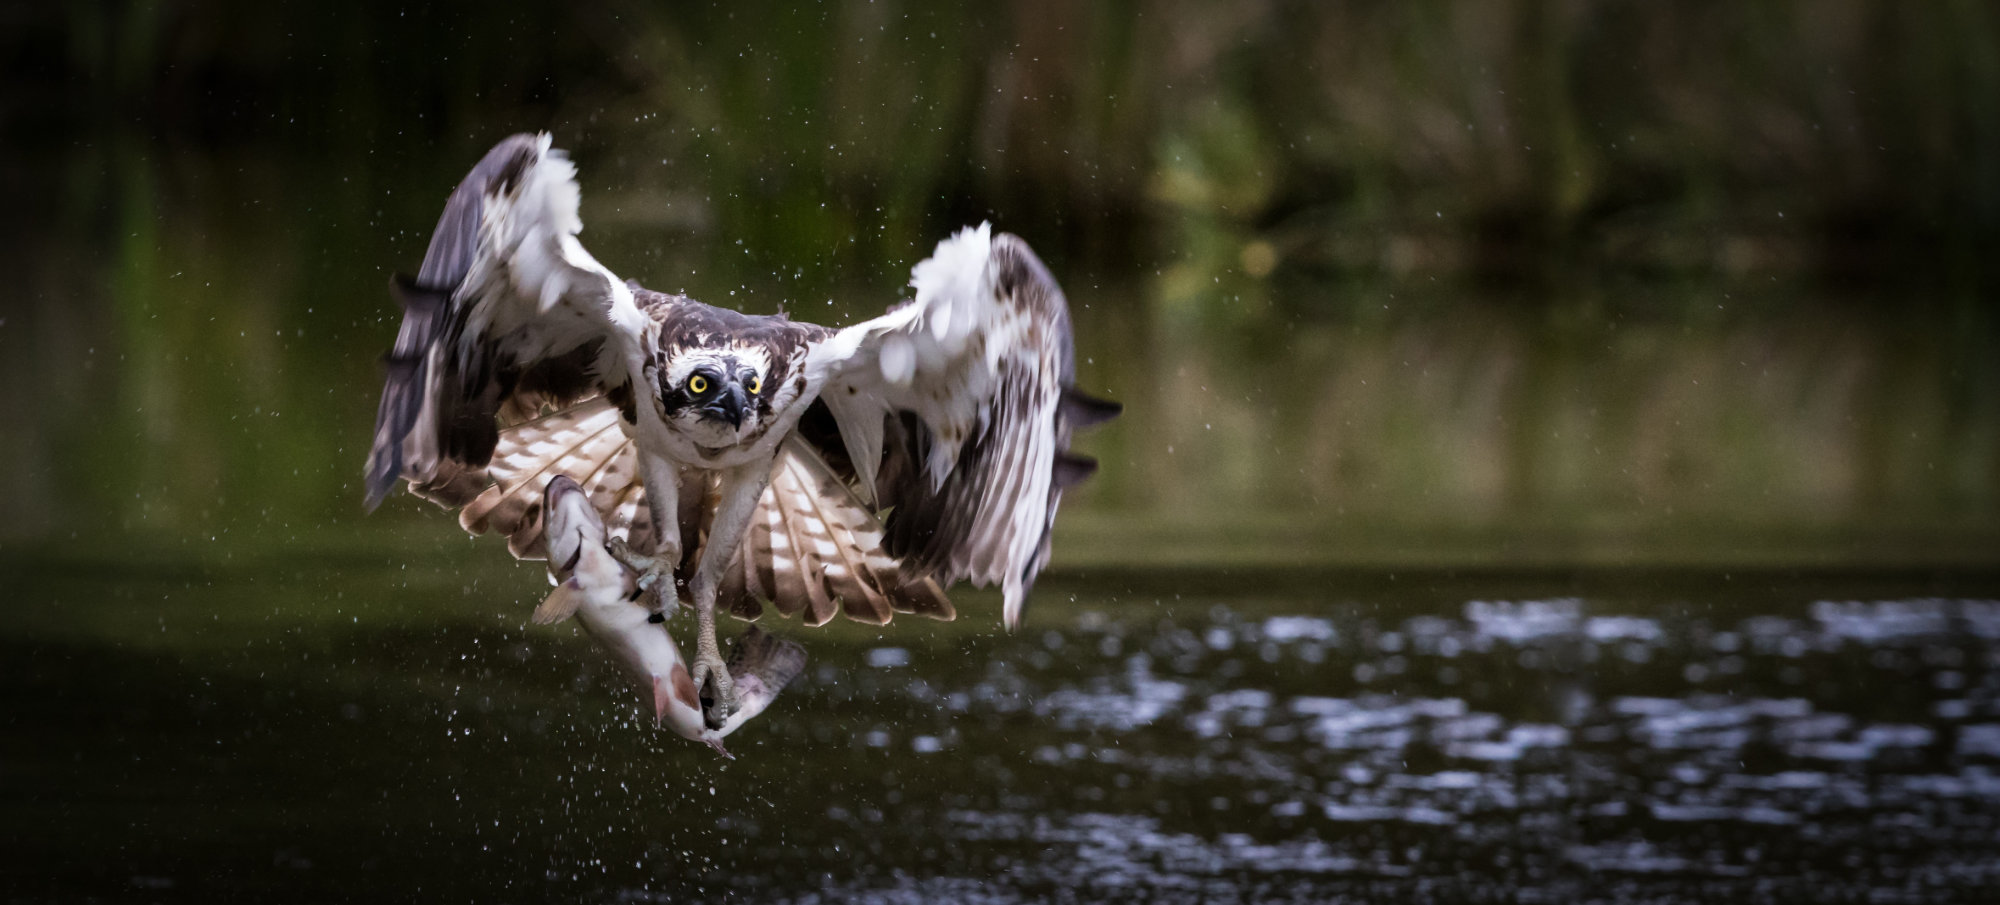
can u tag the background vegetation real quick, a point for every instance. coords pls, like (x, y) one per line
(1437, 282)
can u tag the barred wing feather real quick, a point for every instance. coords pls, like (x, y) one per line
(813, 548)
(585, 442)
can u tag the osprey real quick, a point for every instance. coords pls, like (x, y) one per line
(735, 458)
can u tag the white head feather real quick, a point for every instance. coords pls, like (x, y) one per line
(681, 363)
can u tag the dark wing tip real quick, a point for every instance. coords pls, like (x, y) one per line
(380, 479)
(511, 158)
(456, 239)
(428, 315)
(412, 295)
(402, 381)
(1082, 410)
(1072, 469)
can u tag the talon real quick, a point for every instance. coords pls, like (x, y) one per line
(716, 687)
(621, 550)
(656, 586)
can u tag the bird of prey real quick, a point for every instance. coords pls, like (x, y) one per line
(736, 458)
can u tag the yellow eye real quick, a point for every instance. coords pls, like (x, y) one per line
(697, 384)
(756, 385)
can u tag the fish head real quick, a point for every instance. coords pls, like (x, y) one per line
(570, 525)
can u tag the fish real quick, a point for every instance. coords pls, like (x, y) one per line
(604, 596)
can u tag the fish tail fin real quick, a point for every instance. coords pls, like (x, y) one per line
(772, 660)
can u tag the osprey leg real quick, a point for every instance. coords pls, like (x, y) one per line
(663, 498)
(741, 488)
(656, 571)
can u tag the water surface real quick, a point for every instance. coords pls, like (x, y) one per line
(333, 728)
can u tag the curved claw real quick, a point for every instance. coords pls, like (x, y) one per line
(622, 551)
(716, 687)
(656, 585)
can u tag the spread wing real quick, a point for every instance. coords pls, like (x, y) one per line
(813, 548)
(507, 313)
(956, 410)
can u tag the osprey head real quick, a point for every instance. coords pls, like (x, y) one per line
(716, 396)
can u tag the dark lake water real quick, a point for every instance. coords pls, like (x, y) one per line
(364, 726)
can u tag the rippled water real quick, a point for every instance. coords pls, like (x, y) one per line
(1546, 747)
(320, 732)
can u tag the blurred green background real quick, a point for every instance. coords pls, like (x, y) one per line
(1422, 283)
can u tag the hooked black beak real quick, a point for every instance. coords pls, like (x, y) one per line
(728, 405)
